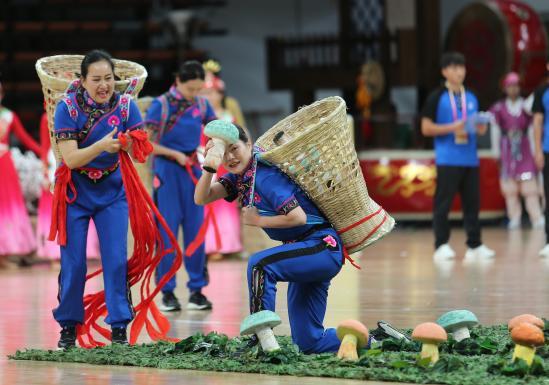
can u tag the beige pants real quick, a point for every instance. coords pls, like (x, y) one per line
(528, 189)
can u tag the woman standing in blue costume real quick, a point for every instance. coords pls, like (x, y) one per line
(87, 123)
(176, 119)
(312, 253)
(97, 180)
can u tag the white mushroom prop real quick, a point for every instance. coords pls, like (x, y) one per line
(458, 323)
(222, 133)
(261, 324)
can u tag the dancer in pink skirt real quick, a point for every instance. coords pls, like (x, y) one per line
(49, 249)
(16, 237)
(227, 214)
(518, 169)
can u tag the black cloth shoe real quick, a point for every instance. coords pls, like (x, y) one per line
(385, 330)
(198, 301)
(170, 302)
(68, 338)
(119, 336)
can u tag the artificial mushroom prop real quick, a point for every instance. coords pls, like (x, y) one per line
(458, 323)
(528, 318)
(222, 133)
(261, 324)
(353, 335)
(526, 336)
(430, 335)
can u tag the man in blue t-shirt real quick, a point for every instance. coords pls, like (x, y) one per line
(444, 117)
(540, 109)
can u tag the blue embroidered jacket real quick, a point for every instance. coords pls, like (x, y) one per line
(274, 194)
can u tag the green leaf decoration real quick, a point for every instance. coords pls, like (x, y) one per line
(423, 362)
(400, 364)
(484, 359)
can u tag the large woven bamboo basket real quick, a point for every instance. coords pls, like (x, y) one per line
(314, 148)
(56, 73)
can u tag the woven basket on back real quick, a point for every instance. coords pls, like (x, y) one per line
(56, 73)
(144, 103)
(144, 169)
(314, 147)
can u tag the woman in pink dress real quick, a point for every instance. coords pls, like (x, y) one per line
(49, 249)
(227, 214)
(518, 175)
(16, 237)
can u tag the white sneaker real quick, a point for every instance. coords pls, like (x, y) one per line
(513, 224)
(444, 252)
(539, 224)
(480, 252)
(545, 251)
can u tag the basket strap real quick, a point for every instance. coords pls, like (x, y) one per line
(73, 111)
(202, 106)
(252, 187)
(73, 86)
(164, 115)
(125, 100)
(131, 86)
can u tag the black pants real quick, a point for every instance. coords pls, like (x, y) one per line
(546, 193)
(450, 180)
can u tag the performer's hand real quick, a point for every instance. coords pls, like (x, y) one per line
(212, 159)
(250, 216)
(128, 145)
(209, 146)
(200, 155)
(180, 158)
(540, 159)
(108, 143)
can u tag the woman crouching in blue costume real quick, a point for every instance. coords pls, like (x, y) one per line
(96, 179)
(312, 253)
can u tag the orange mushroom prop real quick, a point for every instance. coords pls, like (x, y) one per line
(430, 335)
(526, 336)
(528, 318)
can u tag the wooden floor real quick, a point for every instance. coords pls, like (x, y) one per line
(399, 282)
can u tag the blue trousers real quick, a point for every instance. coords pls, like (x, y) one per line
(106, 203)
(174, 197)
(308, 266)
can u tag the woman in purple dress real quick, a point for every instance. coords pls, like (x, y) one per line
(518, 170)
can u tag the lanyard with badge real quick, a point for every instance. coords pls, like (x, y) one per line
(460, 137)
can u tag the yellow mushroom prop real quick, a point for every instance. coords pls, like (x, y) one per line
(353, 335)
(430, 335)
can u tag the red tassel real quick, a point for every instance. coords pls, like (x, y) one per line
(348, 258)
(141, 146)
(58, 224)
